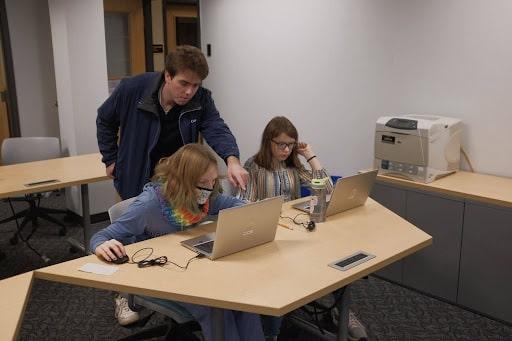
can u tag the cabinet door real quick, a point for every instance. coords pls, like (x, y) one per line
(390, 197)
(486, 261)
(393, 199)
(435, 269)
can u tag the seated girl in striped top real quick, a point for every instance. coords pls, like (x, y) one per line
(276, 169)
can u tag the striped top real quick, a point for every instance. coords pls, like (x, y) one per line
(285, 181)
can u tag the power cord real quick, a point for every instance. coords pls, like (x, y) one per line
(161, 261)
(467, 159)
(308, 225)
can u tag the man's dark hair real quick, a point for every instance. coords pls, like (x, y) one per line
(186, 57)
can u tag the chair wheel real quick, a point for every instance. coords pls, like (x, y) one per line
(62, 231)
(14, 240)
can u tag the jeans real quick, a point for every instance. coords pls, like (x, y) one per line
(238, 326)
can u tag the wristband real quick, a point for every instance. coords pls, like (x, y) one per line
(311, 158)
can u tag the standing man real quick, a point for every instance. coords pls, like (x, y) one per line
(150, 116)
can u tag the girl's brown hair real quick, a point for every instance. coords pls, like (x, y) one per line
(180, 173)
(274, 128)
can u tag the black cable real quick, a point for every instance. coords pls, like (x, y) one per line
(309, 225)
(158, 261)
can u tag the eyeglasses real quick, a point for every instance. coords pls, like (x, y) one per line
(206, 184)
(282, 145)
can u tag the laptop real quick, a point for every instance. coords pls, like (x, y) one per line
(239, 228)
(348, 193)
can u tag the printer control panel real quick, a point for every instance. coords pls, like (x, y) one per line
(402, 123)
(404, 168)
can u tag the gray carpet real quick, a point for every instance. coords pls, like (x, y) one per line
(57, 311)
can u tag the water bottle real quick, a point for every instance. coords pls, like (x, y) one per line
(318, 204)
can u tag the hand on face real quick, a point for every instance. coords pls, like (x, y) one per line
(305, 150)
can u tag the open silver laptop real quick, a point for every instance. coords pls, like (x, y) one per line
(348, 193)
(239, 228)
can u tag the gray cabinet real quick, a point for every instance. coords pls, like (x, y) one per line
(435, 269)
(393, 199)
(486, 261)
(390, 197)
(469, 262)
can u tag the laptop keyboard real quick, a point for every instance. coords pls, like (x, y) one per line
(206, 247)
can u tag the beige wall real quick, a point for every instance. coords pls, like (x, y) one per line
(334, 69)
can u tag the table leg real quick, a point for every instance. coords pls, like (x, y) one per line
(86, 214)
(343, 306)
(218, 324)
(86, 218)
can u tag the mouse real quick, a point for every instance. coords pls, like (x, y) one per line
(121, 260)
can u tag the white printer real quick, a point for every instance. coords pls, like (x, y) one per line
(418, 147)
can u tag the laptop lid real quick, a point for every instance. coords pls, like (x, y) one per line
(240, 228)
(351, 192)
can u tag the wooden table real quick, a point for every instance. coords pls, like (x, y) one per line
(271, 279)
(70, 171)
(483, 188)
(14, 295)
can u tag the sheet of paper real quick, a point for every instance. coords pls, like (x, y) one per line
(99, 269)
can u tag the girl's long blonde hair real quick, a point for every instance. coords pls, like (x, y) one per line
(180, 173)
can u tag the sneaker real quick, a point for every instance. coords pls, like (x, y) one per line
(356, 330)
(123, 313)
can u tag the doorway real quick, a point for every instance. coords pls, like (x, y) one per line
(182, 24)
(9, 121)
(4, 116)
(124, 38)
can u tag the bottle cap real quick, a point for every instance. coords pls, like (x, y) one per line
(319, 183)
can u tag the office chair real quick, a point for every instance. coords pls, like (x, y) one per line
(182, 323)
(25, 149)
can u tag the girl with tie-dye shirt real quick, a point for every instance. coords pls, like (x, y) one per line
(184, 192)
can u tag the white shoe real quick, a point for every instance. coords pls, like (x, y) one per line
(123, 313)
(356, 330)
